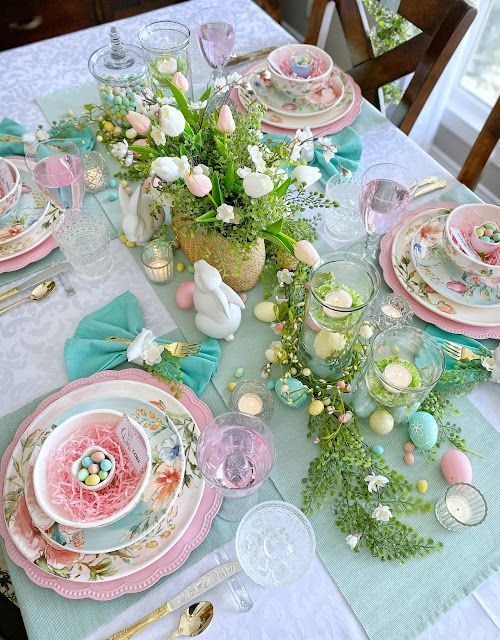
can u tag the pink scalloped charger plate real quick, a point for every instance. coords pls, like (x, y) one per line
(386, 262)
(326, 129)
(162, 566)
(34, 255)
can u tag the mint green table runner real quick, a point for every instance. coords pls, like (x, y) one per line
(391, 602)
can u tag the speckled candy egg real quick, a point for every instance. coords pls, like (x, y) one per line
(265, 311)
(456, 467)
(423, 430)
(184, 295)
(291, 393)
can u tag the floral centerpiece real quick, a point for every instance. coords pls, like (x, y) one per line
(229, 190)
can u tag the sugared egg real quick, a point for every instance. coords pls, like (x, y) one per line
(423, 430)
(92, 480)
(381, 421)
(184, 295)
(265, 311)
(456, 467)
(93, 468)
(97, 456)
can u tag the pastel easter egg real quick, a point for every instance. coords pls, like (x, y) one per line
(102, 474)
(292, 393)
(82, 475)
(93, 468)
(92, 480)
(87, 461)
(381, 421)
(106, 465)
(316, 407)
(456, 467)
(423, 430)
(265, 311)
(327, 343)
(97, 456)
(378, 449)
(184, 295)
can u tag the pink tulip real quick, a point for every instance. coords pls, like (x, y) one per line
(140, 122)
(225, 121)
(180, 81)
(305, 252)
(198, 183)
(140, 143)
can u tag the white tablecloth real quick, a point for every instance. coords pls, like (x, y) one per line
(32, 339)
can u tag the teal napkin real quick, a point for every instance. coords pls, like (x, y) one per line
(88, 351)
(348, 154)
(11, 131)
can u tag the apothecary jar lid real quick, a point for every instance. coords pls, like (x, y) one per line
(117, 63)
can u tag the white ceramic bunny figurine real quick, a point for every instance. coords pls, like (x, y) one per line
(218, 306)
(138, 223)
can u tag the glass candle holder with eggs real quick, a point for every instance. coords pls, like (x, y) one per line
(121, 75)
(401, 368)
(340, 291)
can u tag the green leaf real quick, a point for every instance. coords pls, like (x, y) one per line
(279, 239)
(182, 150)
(197, 140)
(229, 176)
(145, 151)
(188, 130)
(216, 193)
(88, 107)
(275, 227)
(209, 216)
(206, 94)
(282, 188)
(220, 146)
(191, 117)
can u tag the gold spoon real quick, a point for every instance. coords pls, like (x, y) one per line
(40, 292)
(194, 620)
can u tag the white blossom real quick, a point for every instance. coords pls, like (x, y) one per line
(353, 539)
(197, 106)
(158, 135)
(225, 213)
(306, 176)
(382, 513)
(243, 172)
(375, 482)
(167, 66)
(329, 149)
(200, 169)
(284, 277)
(256, 185)
(220, 84)
(119, 149)
(166, 100)
(257, 133)
(234, 77)
(151, 353)
(255, 153)
(129, 159)
(42, 135)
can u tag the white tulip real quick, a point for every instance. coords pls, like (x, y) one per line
(257, 185)
(170, 169)
(225, 213)
(306, 176)
(171, 121)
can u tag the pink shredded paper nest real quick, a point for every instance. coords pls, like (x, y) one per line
(75, 502)
(319, 66)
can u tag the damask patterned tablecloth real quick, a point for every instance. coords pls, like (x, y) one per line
(314, 608)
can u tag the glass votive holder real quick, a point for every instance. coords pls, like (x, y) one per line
(390, 311)
(343, 224)
(96, 171)
(253, 398)
(461, 506)
(158, 261)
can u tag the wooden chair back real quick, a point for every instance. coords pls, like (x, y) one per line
(442, 24)
(482, 149)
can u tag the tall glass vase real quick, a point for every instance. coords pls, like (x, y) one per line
(340, 291)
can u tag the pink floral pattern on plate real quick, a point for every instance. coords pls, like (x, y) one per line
(36, 546)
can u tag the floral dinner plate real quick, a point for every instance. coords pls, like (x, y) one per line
(444, 276)
(79, 567)
(418, 289)
(159, 495)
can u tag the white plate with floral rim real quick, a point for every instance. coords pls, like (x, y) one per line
(412, 282)
(446, 277)
(104, 566)
(167, 463)
(35, 236)
(315, 103)
(313, 120)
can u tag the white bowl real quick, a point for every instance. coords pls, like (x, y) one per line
(298, 87)
(57, 438)
(470, 216)
(11, 198)
(77, 466)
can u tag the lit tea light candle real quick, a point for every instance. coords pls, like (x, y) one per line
(250, 403)
(158, 262)
(159, 270)
(398, 375)
(460, 508)
(340, 299)
(390, 311)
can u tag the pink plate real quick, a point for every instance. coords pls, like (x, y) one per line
(422, 312)
(39, 252)
(173, 559)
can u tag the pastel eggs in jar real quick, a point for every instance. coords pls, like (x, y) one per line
(423, 430)
(456, 467)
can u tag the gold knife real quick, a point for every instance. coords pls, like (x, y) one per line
(428, 187)
(39, 277)
(247, 57)
(197, 588)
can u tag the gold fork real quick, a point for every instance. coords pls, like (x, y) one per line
(177, 349)
(459, 352)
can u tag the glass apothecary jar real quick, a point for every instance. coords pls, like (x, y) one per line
(166, 50)
(340, 291)
(121, 73)
(401, 368)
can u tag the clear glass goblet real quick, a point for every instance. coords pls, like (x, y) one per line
(386, 192)
(215, 31)
(235, 455)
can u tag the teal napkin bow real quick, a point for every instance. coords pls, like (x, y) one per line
(11, 131)
(89, 351)
(348, 153)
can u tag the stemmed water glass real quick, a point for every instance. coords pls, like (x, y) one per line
(235, 455)
(386, 192)
(215, 30)
(57, 168)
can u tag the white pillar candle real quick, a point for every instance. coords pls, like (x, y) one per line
(159, 270)
(390, 311)
(250, 403)
(459, 507)
(398, 375)
(340, 299)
